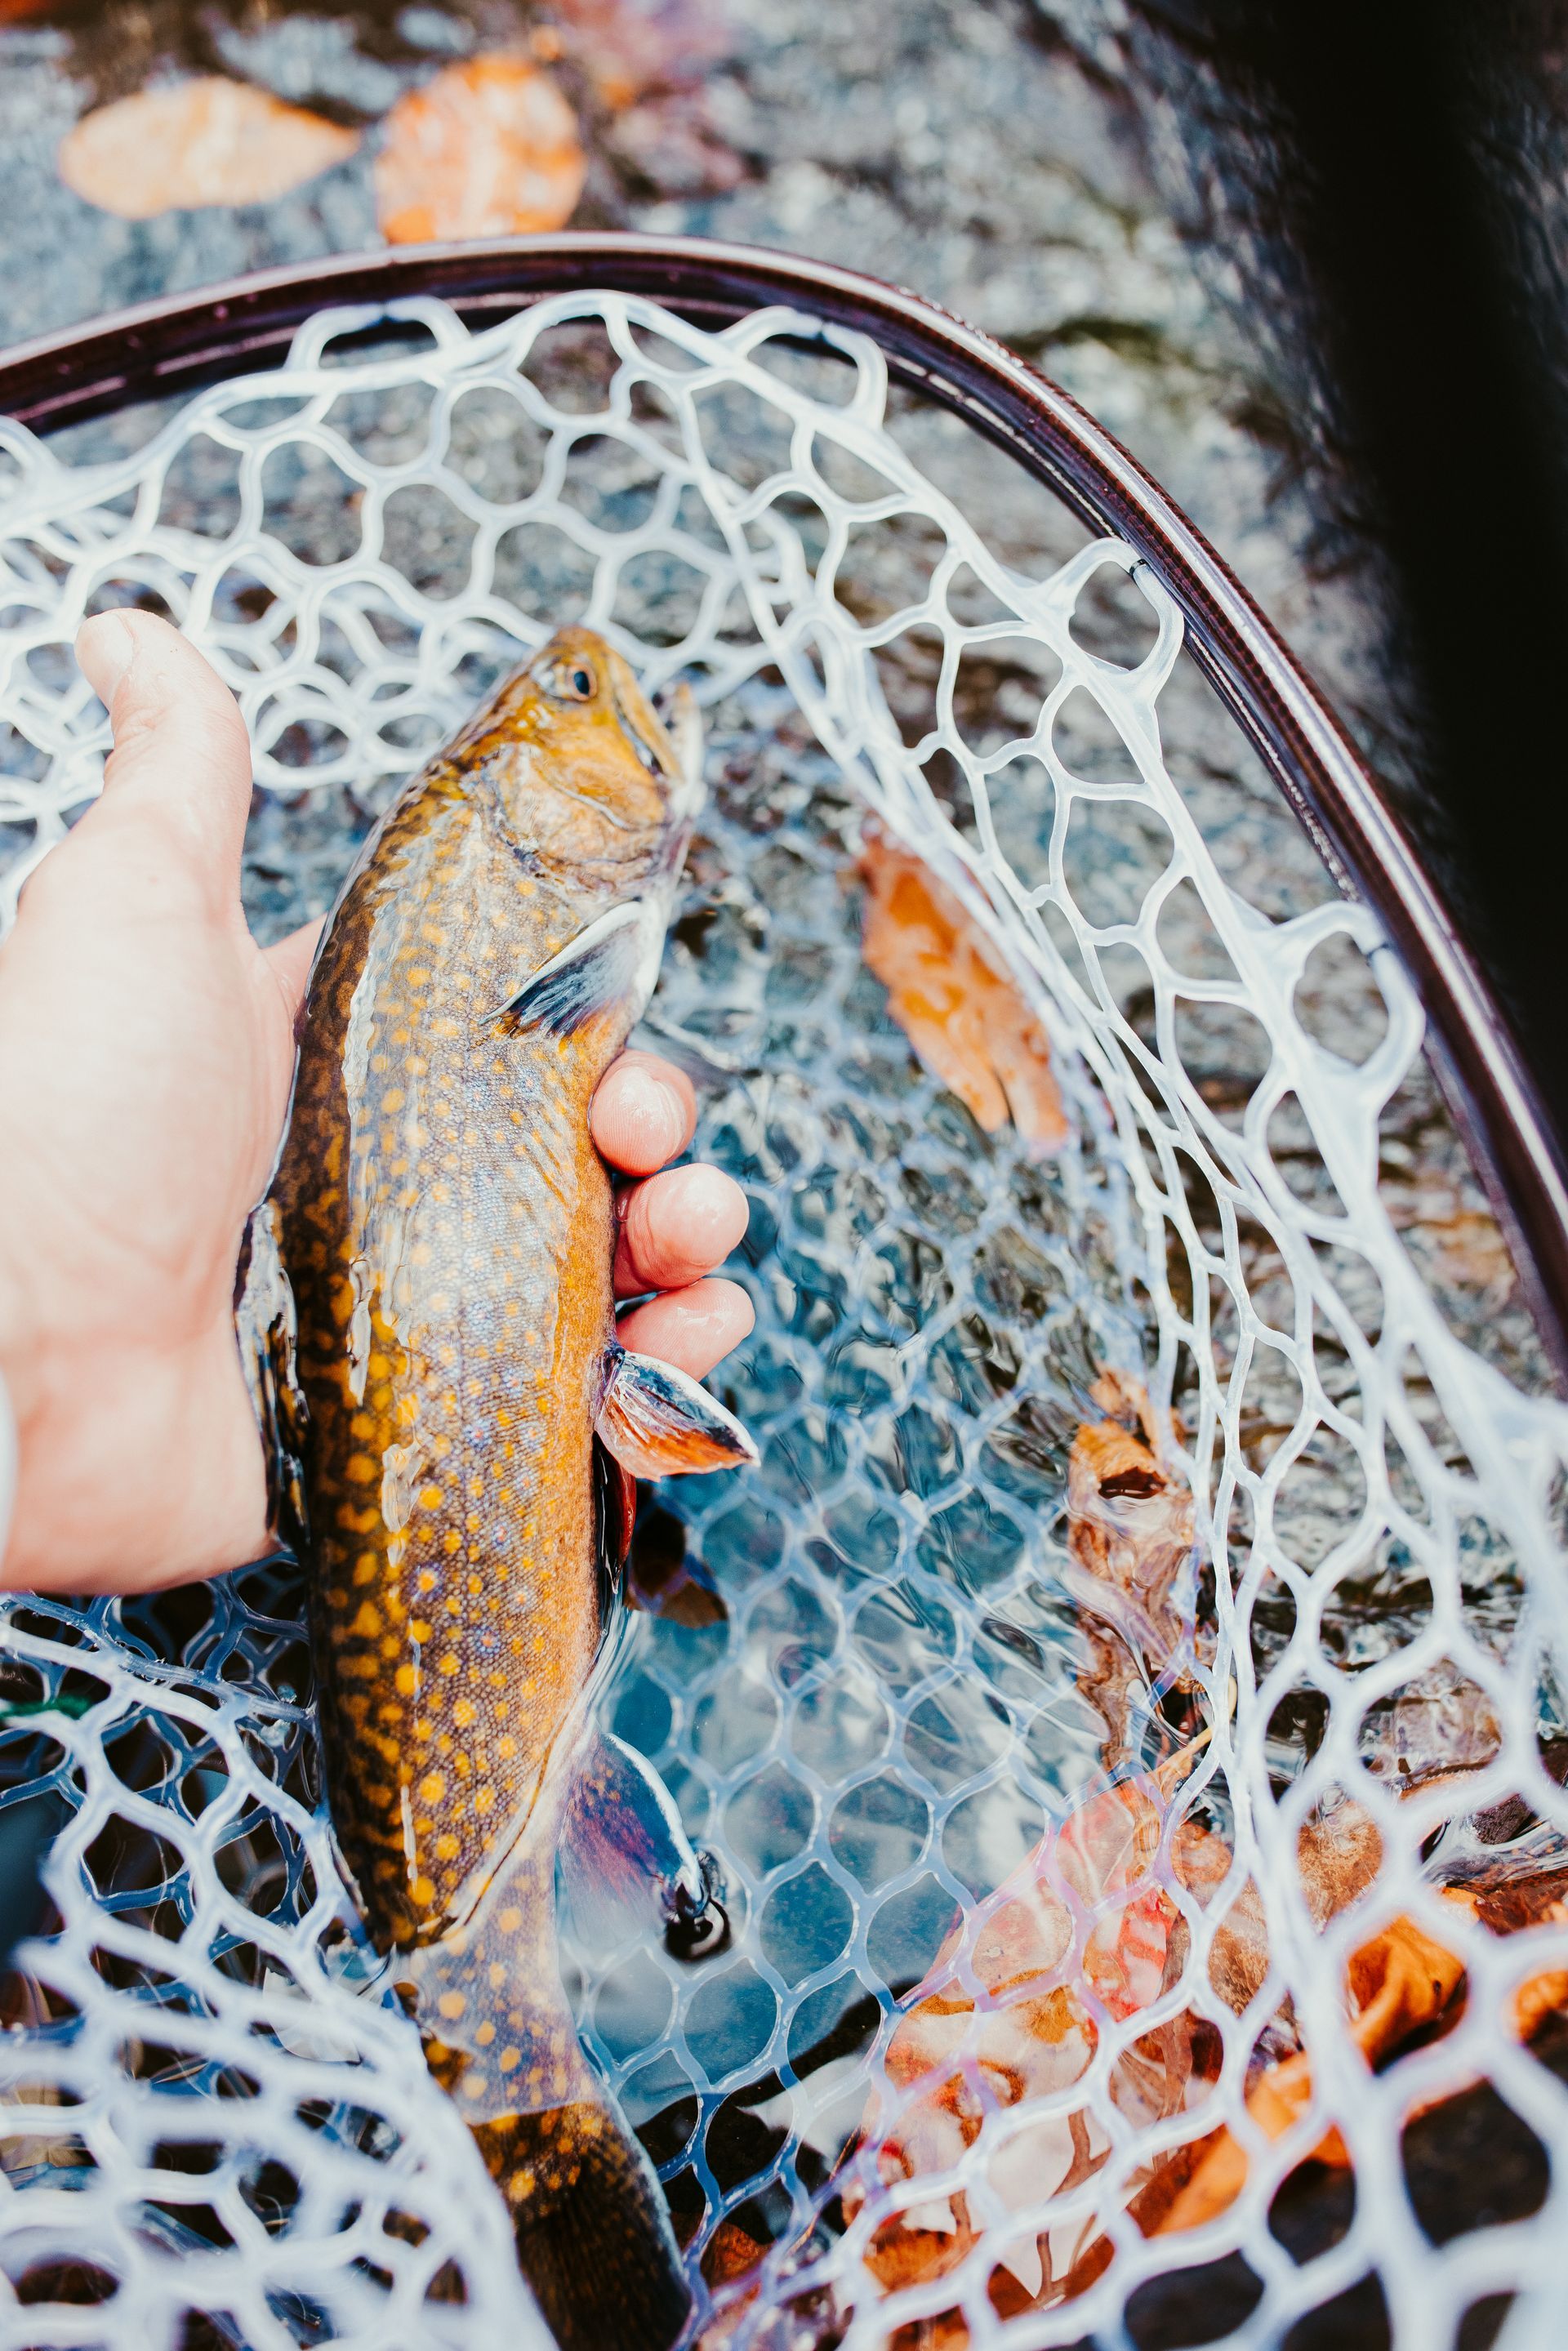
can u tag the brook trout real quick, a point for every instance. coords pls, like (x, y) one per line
(428, 1301)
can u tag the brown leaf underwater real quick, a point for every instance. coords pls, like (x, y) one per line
(488, 148)
(187, 144)
(951, 994)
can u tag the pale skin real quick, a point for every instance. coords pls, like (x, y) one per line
(146, 1055)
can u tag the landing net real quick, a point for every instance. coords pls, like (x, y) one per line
(894, 1670)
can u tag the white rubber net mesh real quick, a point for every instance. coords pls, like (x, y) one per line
(879, 1674)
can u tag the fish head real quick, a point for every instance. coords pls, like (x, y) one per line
(590, 774)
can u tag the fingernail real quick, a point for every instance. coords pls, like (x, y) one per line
(105, 649)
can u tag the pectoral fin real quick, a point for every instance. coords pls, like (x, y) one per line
(265, 1326)
(615, 961)
(660, 1424)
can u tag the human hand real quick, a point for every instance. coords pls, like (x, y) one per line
(146, 1057)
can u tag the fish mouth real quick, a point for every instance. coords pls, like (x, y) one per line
(673, 755)
(681, 723)
(657, 757)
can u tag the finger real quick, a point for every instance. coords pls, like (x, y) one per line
(694, 1329)
(676, 1226)
(643, 1112)
(289, 961)
(180, 743)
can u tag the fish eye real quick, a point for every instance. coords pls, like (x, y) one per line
(570, 681)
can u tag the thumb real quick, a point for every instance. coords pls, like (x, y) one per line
(290, 962)
(180, 749)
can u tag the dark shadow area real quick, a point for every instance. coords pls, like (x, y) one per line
(1377, 194)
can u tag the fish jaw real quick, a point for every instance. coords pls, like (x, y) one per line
(683, 725)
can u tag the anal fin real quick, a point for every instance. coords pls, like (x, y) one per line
(626, 1858)
(658, 1422)
(626, 1861)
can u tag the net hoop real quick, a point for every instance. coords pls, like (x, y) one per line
(1516, 1440)
(179, 342)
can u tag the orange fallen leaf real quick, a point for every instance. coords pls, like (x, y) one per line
(1538, 1998)
(951, 994)
(204, 141)
(1131, 1537)
(1399, 1980)
(731, 2253)
(488, 148)
(1003, 2005)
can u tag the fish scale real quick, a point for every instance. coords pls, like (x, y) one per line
(439, 1235)
(434, 1459)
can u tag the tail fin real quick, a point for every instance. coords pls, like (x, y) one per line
(594, 2239)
